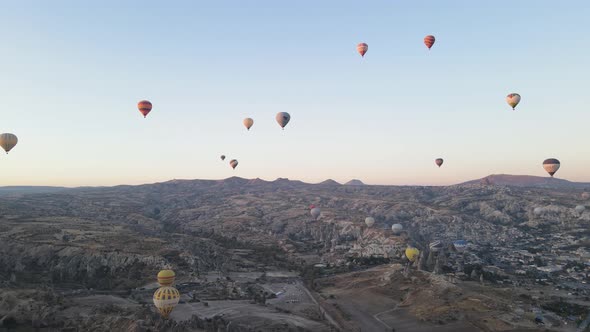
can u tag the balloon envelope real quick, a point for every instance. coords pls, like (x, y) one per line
(397, 228)
(412, 253)
(166, 277)
(316, 212)
(538, 211)
(370, 221)
(144, 107)
(222, 157)
(362, 48)
(248, 122)
(429, 41)
(165, 299)
(551, 165)
(585, 195)
(233, 163)
(8, 141)
(580, 208)
(436, 246)
(283, 118)
(460, 245)
(513, 99)
(439, 162)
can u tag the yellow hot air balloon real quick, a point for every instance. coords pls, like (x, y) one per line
(8, 141)
(248, 122)
(166, 277)
(165, 299)
(412, 254)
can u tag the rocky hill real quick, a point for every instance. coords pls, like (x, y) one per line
(528, 181)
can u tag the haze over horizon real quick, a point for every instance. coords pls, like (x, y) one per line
(70, 86)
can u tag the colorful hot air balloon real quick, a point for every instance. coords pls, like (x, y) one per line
(8, 141)
(311, 206)
(166, 277)
(370, 221)
(165, 299)
(439, 162)
(315, 212)
(222, 157)
(513, 99)
(397, 228)
(248, 122)
(436, 246)
(233, 163)
(362, 49)
(412, 254)
(460, 245)
(429, 41)
(283, 118)
(144, 107)
(551, 166)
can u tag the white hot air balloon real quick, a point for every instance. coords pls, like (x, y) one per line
(397, 228)
(315, 212)
(580, 208)
(370, 221)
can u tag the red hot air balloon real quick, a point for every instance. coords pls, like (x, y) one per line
(362, 49)
(311, 206)
(429, 41)
(144, 107)
(439, 162)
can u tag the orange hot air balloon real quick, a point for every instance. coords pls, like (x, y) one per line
(429, 41)
(166, 277)
(362, 49)
(144, 107)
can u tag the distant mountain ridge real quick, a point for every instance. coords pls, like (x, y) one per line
(527, 181)
(354, 182)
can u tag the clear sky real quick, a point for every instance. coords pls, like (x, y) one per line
(72, 72)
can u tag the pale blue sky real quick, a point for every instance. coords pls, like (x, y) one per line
(72, 72)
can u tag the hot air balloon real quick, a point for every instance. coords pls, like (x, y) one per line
(460, 245)
(370, 221)
(315, 212)
(538, 211)
(165, 299)
(429, 41)
(436, 246)
(412, 254)
(439, 162)
(513, 99)
(397, 228)
(248, 122)
(580, 208)
(166, 277)
(311, 206)
(585, 195)
(551, 166)
(283, 118)
(8, 141)
(362, 49)
(233, 163)
(144, 107)
(222, 157)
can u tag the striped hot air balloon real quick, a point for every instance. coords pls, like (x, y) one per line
(513, 99)
(436, 246)
(165, 299)
(551, 166)
(439, 162)
(460, 245)
(166, 277)
(8, 141)
(429, 41)
(144, 107)
(362, 48)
